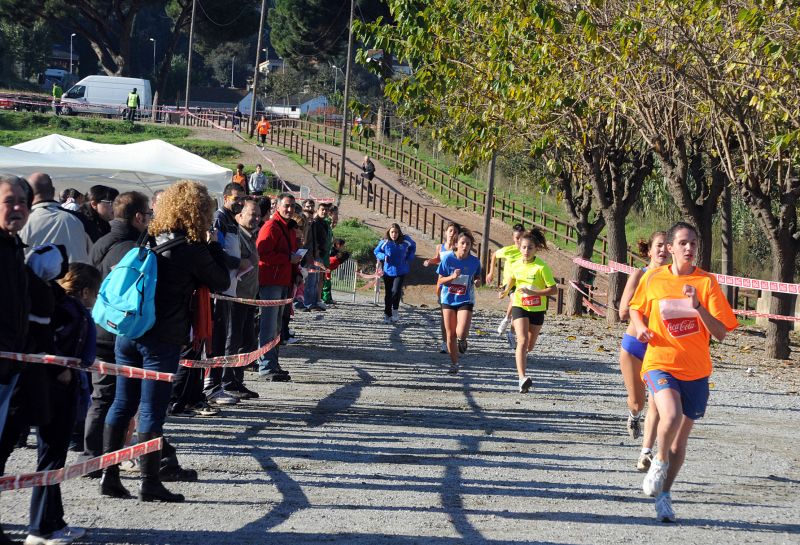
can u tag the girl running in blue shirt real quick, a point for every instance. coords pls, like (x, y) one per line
(459, 275)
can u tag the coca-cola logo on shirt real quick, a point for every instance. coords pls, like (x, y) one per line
(679, 317)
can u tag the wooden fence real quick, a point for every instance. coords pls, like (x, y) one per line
(505, 208)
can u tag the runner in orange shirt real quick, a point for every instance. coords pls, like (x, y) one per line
(262, 129)
(684, 307)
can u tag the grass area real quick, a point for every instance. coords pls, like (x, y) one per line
(16, 127)
(360, 240)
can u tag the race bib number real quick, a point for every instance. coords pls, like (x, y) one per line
(680, 319)
(459, 285)
(531, 300)
(457, 289)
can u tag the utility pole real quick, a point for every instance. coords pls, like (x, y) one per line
(255, 72)
(189, 62)
(487, 214)
(346, 97)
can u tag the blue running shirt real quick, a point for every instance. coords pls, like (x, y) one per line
(461, 290)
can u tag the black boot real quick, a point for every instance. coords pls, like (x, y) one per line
(151, 488)
(5, 540)
(110, 485)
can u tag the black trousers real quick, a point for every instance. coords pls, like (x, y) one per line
(187, 385)
(240, 339)
(393, 291)
(46, 508)
(103, 389)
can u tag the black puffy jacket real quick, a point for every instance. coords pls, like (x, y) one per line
(15, 302)
(181, 271)
(106, 253)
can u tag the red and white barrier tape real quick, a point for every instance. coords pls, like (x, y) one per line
(236, 360)
(597, 308)
(780, 287)
(253, 302)
(369, 276)
(98, 366)
(56, 476)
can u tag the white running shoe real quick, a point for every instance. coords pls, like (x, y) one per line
(653, 482)
(322, 306)
(221, 397)
(664, 511)
(443, 348)
(525, 384)
(512, 340)
(645, 459)
(503, 326)
(64, 536)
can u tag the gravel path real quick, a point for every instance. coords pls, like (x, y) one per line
(373, 443)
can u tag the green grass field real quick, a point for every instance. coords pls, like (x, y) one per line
(360, 240)
(17, 127)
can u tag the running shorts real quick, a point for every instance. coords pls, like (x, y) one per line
(534, 317)
(694, 393)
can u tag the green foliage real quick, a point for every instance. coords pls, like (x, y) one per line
(360, 239)
(25, 48)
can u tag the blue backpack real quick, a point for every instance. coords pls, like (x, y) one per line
(126, 303)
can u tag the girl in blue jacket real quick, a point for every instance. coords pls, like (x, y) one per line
(396, 252)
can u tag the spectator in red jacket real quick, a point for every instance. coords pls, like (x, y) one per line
(277, 272)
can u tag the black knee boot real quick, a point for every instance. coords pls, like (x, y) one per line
(110, 485)
(151, 488)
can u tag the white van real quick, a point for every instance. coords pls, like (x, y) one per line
(106, 95)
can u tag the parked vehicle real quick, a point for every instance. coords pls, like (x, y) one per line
(106, 95)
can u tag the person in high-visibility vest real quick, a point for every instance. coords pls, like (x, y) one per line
(263, 128)
(133, 103)
(57, 94)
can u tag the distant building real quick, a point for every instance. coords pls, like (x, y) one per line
(59, 58)
(270, 65)
(298, 105)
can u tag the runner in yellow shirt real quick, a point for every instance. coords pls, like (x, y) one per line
(534, 281)
(509, 254)
(684, 306)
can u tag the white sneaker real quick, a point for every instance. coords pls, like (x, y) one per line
(664, 511)
(221, 397)
(292, 340)
(66, 535)
(653, 482)
(395, 316)
(525, 384)
(503, 326)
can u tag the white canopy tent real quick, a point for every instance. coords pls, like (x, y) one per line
(151, 165)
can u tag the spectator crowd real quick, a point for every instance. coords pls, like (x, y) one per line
(212, 262)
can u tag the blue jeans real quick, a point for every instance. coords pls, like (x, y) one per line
(6, 389)
(149, 397)
(311, 290)
(271, 318)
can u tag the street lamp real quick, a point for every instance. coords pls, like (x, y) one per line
(335, 75)
(154, 55)
(70, 51)
(233, 61)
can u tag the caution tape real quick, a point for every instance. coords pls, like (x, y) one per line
(56, 476)
(98, 366)
(727, 280)
(235, 360)
(597, 308)
(253, 302)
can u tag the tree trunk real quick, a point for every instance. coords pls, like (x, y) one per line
(574, 302)
(617, 251)
(379, 127)
(726, 217)
(784, 255)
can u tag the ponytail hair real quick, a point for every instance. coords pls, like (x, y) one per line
(79, 277)
(644, 245)
(536, 236)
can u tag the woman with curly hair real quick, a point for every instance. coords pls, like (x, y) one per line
(185, 212)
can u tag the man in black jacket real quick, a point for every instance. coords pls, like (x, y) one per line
(131, 216)
(15, 198)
